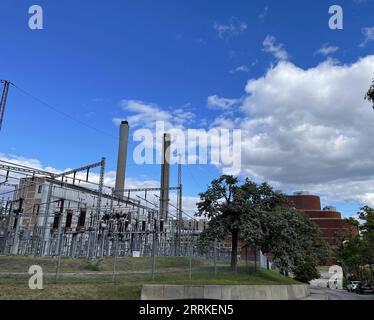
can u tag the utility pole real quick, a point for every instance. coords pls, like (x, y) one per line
(96, 224)
(165, 178)
(154, 245)
(59, 241)
(16, 226)
(3, 100)
(179, 205)
(115, 245)
(42, 244)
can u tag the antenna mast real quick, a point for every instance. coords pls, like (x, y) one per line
(3, 100)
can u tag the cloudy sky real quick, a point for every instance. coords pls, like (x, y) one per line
(273, 69)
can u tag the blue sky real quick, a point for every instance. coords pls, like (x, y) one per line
(91, 55)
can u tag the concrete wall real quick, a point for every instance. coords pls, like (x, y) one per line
(225, 292)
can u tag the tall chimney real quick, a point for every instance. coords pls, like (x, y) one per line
(122, 158)
(165, 177)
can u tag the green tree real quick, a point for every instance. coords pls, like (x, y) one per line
(370, 94)
(349, 254)
(305, 268)
(323, 252)
(229, 206)
(352, 222)
(366, 214)
(356, 253)
(291, 234)
(220, 205)
(259, 204)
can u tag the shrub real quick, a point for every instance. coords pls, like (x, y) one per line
(305, 269)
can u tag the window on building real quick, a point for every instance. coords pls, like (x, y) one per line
(69, 218)
(161, 225)
(56, 221)
(36, 208)
(40, 189)
(82, 218)
(15, 222)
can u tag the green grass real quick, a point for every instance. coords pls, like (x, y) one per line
(323, 268)
(21, 264)
(93, 279)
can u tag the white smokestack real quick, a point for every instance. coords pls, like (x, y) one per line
(165, 177)
(122, 158)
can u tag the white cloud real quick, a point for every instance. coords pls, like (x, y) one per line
(145, 115)
(368, 34)
(311, 129)
(275, 49)
(189, 202)
(182, 116)
(110, 176)
(221, 103)
(263, 13)
(234, 28)
(224, 122)
(242, 68)
(326, 49)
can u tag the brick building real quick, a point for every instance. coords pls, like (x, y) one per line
(328, 219)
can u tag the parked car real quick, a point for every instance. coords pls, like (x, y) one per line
(363, 288)
(352, 286)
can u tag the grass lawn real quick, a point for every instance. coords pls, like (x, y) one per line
(85, 279)
(323, 268)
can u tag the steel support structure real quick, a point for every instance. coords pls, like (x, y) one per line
(4, 97)
(111, 226)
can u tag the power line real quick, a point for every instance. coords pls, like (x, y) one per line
(62, 112)
(186, 214)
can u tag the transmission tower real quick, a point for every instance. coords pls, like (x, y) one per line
(3, 100)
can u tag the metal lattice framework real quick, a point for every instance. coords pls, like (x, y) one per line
(3, 100)
(74, 214)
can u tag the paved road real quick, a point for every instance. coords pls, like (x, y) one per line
(339, 294)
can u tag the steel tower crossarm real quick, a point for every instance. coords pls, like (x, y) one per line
(3, 100)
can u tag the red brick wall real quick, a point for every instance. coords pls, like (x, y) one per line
(306, 202)
(323, 214)
(330, 222)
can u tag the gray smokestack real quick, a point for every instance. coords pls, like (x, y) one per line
(165, 177)
(122, 158)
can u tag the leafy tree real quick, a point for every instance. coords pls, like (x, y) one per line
(349, 254)
(220, 205)
(305, 268)
(370, 94)
(366, 214)
(352, 222)
(231, 206)
(262, 218)
(259, 204)
(287, 234)
(323, 252)
(356, 253)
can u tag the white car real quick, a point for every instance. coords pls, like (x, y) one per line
(352, 286)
